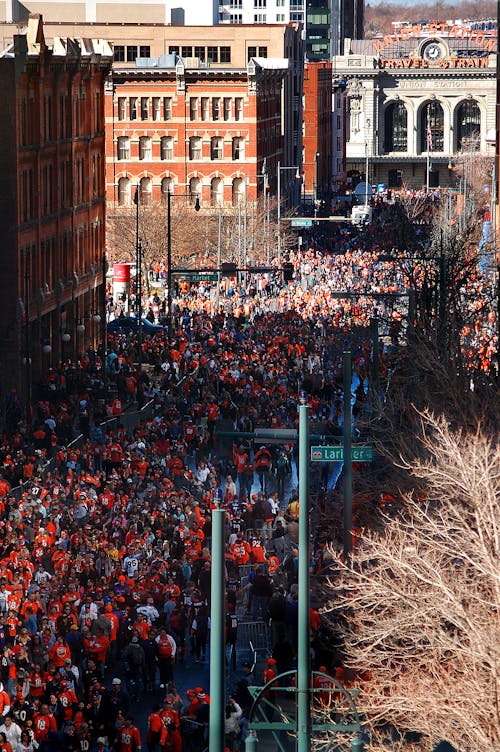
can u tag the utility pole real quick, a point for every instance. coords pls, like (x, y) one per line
(303, 652)
(217, 635)
(347, 442)
(169, 265)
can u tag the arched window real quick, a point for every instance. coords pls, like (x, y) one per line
(396, 127)
(217, 192)
(167, 186)
(432, 127)
(195, 189)
(167, 148)
(238, 194)
(145, 148)
(123, 192)
(468, 123)
(145, 191)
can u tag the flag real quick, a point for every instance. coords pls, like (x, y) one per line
(429, 133)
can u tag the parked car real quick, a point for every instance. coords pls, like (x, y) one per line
(127, 323)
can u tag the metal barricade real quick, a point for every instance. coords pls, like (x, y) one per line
(254, 640)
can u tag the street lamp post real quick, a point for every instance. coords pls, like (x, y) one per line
(316, 159)
(169, 252)
(366, 162)
(279, 202)
(138, 278)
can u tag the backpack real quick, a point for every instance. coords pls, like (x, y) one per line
(164, 647)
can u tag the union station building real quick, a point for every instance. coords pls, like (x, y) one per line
(416, 99)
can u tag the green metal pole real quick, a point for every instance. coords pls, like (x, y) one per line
(347, 441)
(303, 657)
(357, 745)
(217, 637)
(375, 350)
(251, 742)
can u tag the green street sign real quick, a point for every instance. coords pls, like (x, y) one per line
(301, 223)
(336, 453)
(199, 276)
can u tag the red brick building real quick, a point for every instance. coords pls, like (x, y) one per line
(52, 202)
(176, 125)
(317, 135)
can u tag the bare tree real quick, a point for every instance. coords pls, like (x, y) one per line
(248, 233)
(419, 602)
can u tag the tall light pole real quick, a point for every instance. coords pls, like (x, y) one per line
(138, 278)
(316, 159)
(279, 202)
(169, 252)
(367, 126)
(303, 646)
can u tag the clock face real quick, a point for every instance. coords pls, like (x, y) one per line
(433, 51)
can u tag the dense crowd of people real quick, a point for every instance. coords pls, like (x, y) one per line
(105, 556)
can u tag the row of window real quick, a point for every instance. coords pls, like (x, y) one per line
(431, 133)
(200, 108)
(62, 118)
(214, 54)
(168, 186)
(209, 54)
(195, 148)
(128, 53)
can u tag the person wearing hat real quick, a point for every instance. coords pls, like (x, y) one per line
(101, 745)
(268, 675)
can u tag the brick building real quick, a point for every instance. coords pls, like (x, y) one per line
(317, 135)
(51, 200)
(182, 128)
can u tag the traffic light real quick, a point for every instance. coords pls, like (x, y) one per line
(228, 269)
(288, 271)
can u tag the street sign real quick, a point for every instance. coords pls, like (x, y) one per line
(199, 276)
(336, 453)
(301, 223)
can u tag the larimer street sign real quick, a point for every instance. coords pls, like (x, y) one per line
(336, 453)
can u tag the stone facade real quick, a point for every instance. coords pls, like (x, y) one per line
(415, 103)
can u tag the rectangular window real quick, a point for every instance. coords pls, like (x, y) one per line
(238, 108)
(144, 50)
(119, 53)
(144, 108)
(280, 18)
(131, 53)
(212, 54)
(122, 108)
(227, 108)
(252, 52)
(167, 108)
(280, 3)
(156, 108)
(215, 108)
(200, 53)
(193, 108)
(132, 108)
(263, 50)
(187, 51)
(123, 147)
(173, 50)
(225, 54)
(205, 108)
(260, 18)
